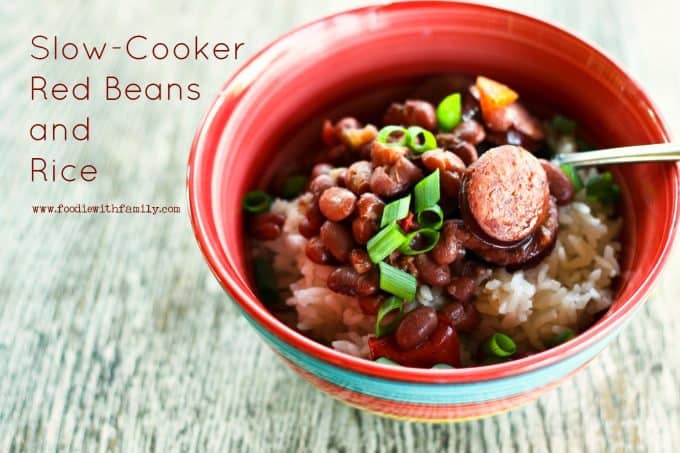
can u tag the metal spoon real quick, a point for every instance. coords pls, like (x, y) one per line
(662, 152)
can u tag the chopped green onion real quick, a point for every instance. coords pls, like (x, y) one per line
(432, 217)
(602, 188)
(387, 135)
(443, 366)
(560, 338)
(265, 278)
(428, 140)
(573, 176)
(397, 282)
(500, 345)
(430, 235)
(293, 186)
(257, 201)
(426, 192)
(388, 306)
(449, 112)
(386, 361)
(563, 124)
(385, 242)
(396, 210)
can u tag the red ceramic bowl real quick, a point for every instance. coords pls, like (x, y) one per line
(355, 62)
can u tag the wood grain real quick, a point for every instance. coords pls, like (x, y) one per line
(114, 335)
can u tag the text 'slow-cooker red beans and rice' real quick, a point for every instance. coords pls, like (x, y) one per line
(444, 238)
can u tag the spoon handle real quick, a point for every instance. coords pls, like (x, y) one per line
(662, 152)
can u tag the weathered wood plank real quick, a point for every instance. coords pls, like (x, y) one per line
(114, 336)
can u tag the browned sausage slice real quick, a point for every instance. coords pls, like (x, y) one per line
(528, 253)
(505, 193)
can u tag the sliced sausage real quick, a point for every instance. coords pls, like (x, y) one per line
(505, 194)
(560, 186)
(529, 252)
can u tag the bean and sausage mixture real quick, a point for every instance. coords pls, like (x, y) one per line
(438, 196)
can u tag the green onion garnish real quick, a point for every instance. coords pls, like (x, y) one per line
(385, 242)
(396, 210)
(573, 176)
(293, 186)
(388, 306)
(449, 112)
(419, 145)
(394, 135)
(397, 282)
(430, 235)
(432, 217)
(257, 201)
(265, 281)
(442, 366)
(426, 192)
(563, 124)
(602, 188)
(500, 345)
(560, 338)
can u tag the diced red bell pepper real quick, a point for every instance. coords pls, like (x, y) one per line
(442, 347)
(407, 223)
(494, 95)
(328, 133)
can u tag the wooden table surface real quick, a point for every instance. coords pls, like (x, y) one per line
(115, 336)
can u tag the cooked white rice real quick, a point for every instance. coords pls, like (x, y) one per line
(564, 291)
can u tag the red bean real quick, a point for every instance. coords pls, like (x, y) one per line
(357, 178)
(469, 131)
(311, 223)
(450, 248)
(442, 160)
(316, 251)
(430, 272)
(416, 327)
(463, 316)
(337, 240)
(450, 169)
(318, 185)
(560, 186)
(397, 179)
(320, 169)
(266, 231)
(345, 280)
(370, 305)
(367, 222)
(337, 203)
(267, 226)
(464, 150)
(382, 154)
(360, 261)
(461, 288)
(412, 113)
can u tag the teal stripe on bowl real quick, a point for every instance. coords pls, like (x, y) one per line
(431, 393)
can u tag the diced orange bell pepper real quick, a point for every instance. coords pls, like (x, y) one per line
(494, 95)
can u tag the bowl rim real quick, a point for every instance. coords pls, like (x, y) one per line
(231, 283)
